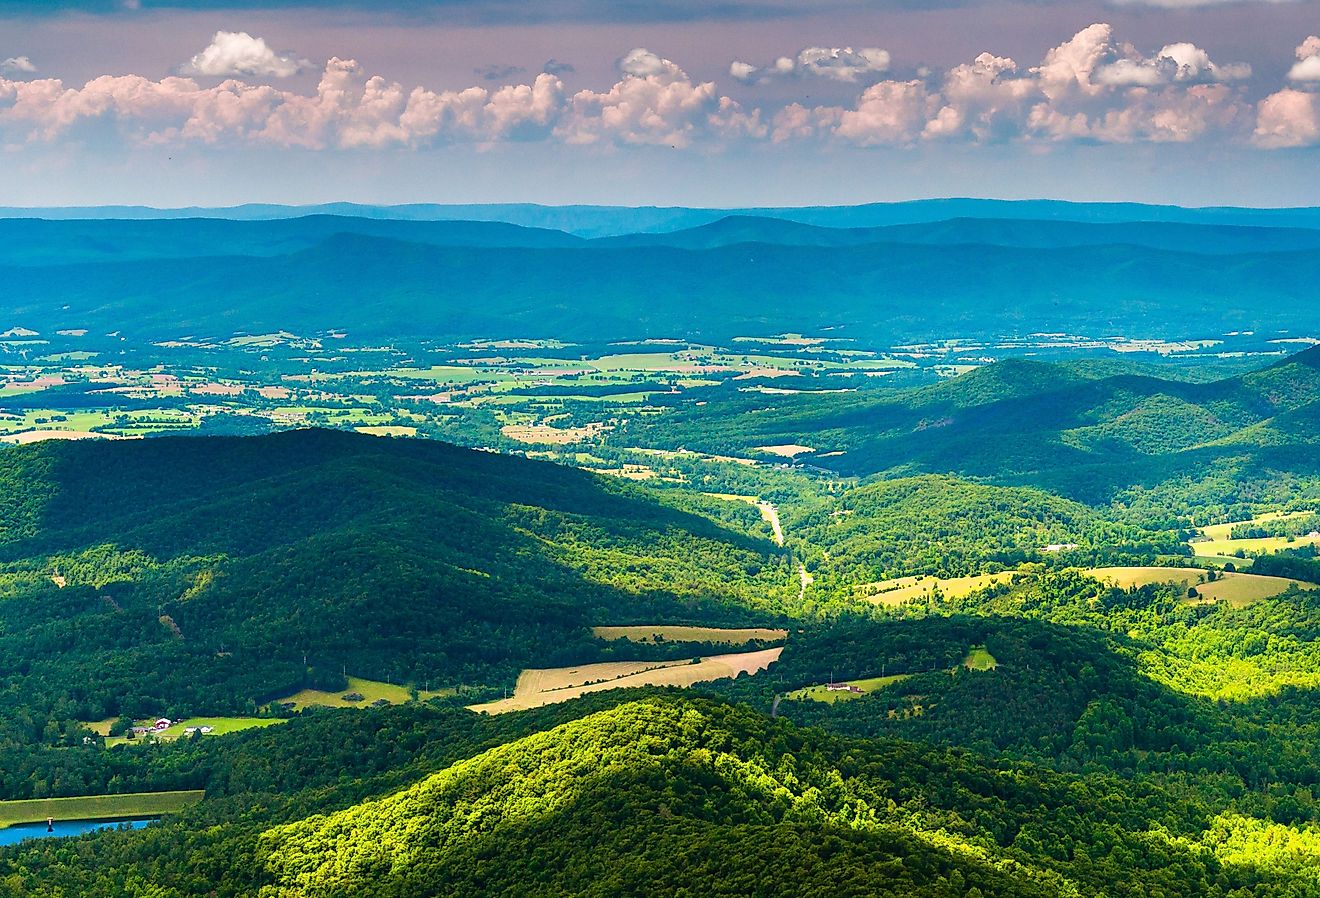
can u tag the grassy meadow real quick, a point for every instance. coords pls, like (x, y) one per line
(97, 807)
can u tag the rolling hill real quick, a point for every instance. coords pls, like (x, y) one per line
(728, 803)
(209, 574)
(1024, 422)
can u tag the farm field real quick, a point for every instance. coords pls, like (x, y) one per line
(786, 450)
(1222, 531)
(219, 726)
(1216, 540)
(978, 658)
(675, 633)
(544, 687)
(548, 435)
(1218, 548)
(1130, 577)
(97, 807)
(387, 430)
(1240, 590)
(822, 693)
(370, 690)
(1235, 588)
(892, 593)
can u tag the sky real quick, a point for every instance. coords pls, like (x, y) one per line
(658, 102)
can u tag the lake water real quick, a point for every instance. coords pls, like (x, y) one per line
(12, 835)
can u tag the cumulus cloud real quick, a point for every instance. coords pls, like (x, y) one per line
(654, 103)
(642, 63)
(17, 65)
(837, 63)
(1289, 118)
(555, 67)
(238, 54)
(1089, 88)
(1307, 67)
(1180, 62)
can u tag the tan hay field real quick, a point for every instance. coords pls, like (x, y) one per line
(892, 593)
(1238, 589)
(545, 687)
(786, 450)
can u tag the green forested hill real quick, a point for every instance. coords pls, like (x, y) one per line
(203, 575)
(1090, 438)
(672, 798)
(934, 524)
(659, 796)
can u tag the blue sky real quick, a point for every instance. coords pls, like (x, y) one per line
(745, 102)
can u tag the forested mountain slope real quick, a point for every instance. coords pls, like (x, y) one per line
(661, 795)
(1020, 421)
(728, 803)
(209, 574)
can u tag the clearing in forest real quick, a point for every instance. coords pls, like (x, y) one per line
(1217, 540)
(548, 686)
(653, 633)
(1254, 545)
(214, 726)
(369, 691)
(892, 593)
(1223, 531)
(843, 691)
(978, 658)
(96, 807)
(1235, 588)
(786, 450)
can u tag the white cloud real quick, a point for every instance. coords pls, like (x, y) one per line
(1088, 88)
(836, 63)
(1307, 67)
(1182, 62)
(654, 103)
(239, 54)
(985, 101)
(17, 65)
(891, 112)
(1289, 118)
(642, 63)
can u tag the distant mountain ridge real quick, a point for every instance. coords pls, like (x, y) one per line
(378, 288)
(601, 221)
(35, 241)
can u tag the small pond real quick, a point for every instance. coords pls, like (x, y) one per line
(12, 835)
